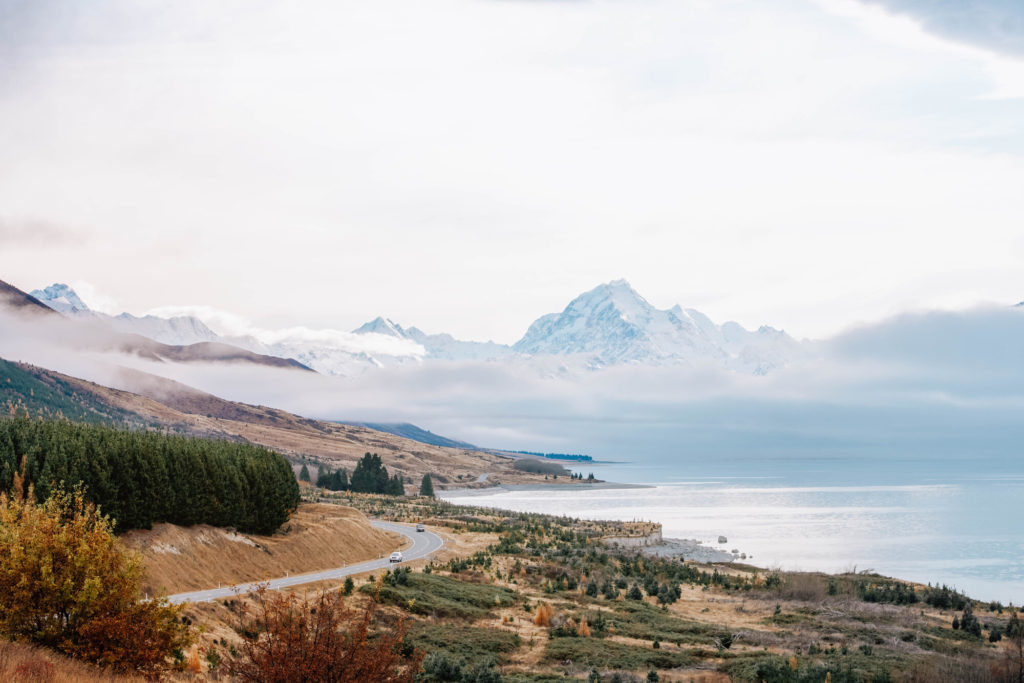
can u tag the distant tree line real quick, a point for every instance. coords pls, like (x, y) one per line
(579, 457)
(369, 476)
(140, 477)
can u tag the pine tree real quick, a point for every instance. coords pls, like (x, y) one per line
(304, 473)
(427, 486)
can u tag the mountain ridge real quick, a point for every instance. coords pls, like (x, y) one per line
(611, 324)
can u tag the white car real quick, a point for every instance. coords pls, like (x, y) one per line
(420, 527)
(396, 557)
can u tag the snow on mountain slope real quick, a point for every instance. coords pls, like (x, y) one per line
(61, 298)
(609, 325)
(438, 346)
(175, 331)
(612, 324)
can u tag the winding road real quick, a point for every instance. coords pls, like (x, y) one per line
(424, 544)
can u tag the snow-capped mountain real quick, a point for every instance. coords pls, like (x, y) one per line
(438, 346)
(609, 325)
(612, 324)
(175, 331)
(61, 298)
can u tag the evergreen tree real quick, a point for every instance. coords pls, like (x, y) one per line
(304, 473)
(427, 486)
(140, 478)
(322, 473)
(969, 622)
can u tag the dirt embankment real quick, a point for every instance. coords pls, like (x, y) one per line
(317, 537)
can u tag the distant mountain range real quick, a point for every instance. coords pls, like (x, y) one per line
(98, 332)
(611, 324)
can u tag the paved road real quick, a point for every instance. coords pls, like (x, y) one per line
(423, 544)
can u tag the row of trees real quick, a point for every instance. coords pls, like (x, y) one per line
(369, 476)
(139, 478)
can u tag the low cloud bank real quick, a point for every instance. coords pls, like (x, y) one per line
(924, 387)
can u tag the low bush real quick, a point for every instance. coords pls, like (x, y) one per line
(643, 621)
(606, 654)
(443, 596)
(463, 644)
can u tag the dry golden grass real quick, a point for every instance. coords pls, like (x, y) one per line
(21, 663)
(317, 537)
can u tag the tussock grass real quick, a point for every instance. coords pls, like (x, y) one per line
(444, 596)
(472, 645)
(20, 663)
(613, 655)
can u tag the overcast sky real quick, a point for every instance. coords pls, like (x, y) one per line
(468, 166)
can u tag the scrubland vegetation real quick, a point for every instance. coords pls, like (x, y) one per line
(550, 600)
(547, 600)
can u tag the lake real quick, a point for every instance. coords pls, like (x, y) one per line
(954, 522)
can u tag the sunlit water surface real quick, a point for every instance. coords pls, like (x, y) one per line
(965, 530)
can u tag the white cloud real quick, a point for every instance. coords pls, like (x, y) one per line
(93, 298)
(465, 166)
(231, 325)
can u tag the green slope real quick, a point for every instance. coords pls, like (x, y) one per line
(31, 391)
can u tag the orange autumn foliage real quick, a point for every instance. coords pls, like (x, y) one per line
(67, 583)
(193, 664)
(543, 615)
(321, 639)
(584, 629)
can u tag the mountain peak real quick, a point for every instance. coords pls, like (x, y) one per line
(381, 325)
(60, 297)
(613, 323)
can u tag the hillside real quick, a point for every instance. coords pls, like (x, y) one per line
(88, 334)
(32, 391)
(316, 537)
(411, 431)
(159, 402)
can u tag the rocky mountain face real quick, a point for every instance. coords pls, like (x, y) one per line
(611, 324)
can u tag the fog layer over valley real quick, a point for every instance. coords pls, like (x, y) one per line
(938, 386)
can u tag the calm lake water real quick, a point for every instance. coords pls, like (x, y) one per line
(963, 527)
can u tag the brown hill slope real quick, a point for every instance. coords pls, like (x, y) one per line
(183, 409)
(14, 298)
(317, 537)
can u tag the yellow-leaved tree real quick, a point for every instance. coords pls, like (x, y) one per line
(66, 582)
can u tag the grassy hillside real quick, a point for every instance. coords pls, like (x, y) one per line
(33, 392)
(413, 433)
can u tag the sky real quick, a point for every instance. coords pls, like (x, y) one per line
(466, 166)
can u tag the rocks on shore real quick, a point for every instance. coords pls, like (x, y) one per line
(689, 549)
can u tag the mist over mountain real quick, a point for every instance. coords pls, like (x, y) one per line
(611, 324)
